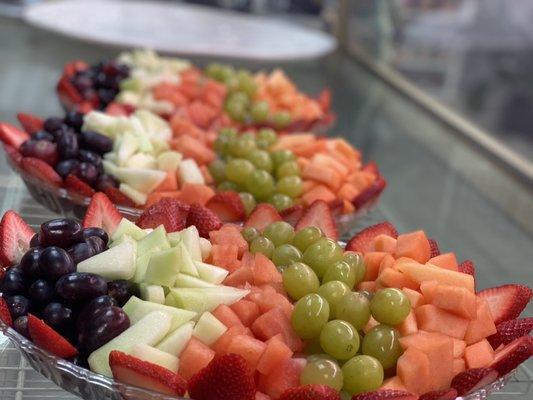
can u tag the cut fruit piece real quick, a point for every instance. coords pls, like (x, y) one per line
(318, 214)
(510, 330)
(459, 347)
(363, 241)
(414, 245)
(141, 264)
(175, 342)
(137, 309)
(155, 240)
(246, 310)
(473, 379)
(433, 319)
(276, 352)
(262, 216)
(227, 316)
(15, 236)
(512, 355)
(507, 301)
(228, 206)
(190, 173)
(155, 356)
(187, 281)
(195, 357)
(11, 135)
(248, 348)
(479, 355)
(483, 325)
(118, 262)
(191, 240)
(211, 273)
(446, 260)
(207, 299)
(456, 300)
(275, 322)
(208, 329)
(102, 213)
(135, 196)
(187, 263)
(126, 227)
(143, 180)
(152, 293)
(413, 368)
(421, 273)
(169, 160)
(48, 339)
(164, 267)
(282, 378)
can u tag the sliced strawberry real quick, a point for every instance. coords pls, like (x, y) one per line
(13, 154)
(5, 315)
(510, 330)
(170, 213)
(336, 206)
(74, 66)
(228, 206)
(117, 197)
(204, 219)
(446, 394)
(506, 302)
(76, 185)
(133, 371)
(30, 123)
(512, 355)
(225, 378)
(473, 379)
(11, 135)
(434, 246)
(318, 214)
(262, 216)
(118, 110)
(369, 194)
(102, 213)
(45, 337)
(385, 394)
(310, 392)
(467, 267)
(15, 236)
(68, 94)
(362, 241)
(292, 214)
(41, 170)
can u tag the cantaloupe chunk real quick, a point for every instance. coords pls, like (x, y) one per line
(229, 235)
(414, 245)
(246, 310)
(317, 192)
(479, 355)
(433, 319)
(459, 366)
(395, 279)
(276, 352)
(249, 348)
(227, 316)
(369, 286)
(459, 347)
(384, 243)
(393, 383)
(194, 358)
(191, 193)
(421, 273)
(372, 261)
(387, 262)
(481, 327)
(414, 370)
(456, 300)
(415, 298)
(169, 184)
(409, 325)
(446, 260)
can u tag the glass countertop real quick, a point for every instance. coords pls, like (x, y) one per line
(439, 181)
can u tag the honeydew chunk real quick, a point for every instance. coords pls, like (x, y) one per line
(126, 227)
(156, 356)
(137, 309)
(149, 330)
(160, 146)
(154, 241)
(187, 266)
(153, 125)
(205, 248)
(211, 273)
(100, 122)
(191, 240)
(169, 160)
(110, 166)
(141, 264)
(143, 180)
(126, 148)
(135, 195)
(164, 267)
(170, 300)
(174, 238)
(122, 239)
(206, 299)
(422, 273)
(190, 172)
(208, 329)
(187, 281)
(153, 293)
(175, 341)
(115, 263)
(142, 160)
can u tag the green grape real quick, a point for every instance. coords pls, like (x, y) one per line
(268, 135)
(382, 343)
(248, 201)
(333, 292)
(261, 159)
(355, 309)
(339, 339)
(322, 372)
(340, 271)
(238, 170)
(222, 145)
(310, 314)
(236, 110)
(291, 186)
(246, 82)
(299, 280)
(362, 374)
(321, 254)
(228, 133)
(227, 186)
(217, 169)
(232, 83)
(279, 232)
(355, 260)
(288, 168)
(239, 97)
(281, 156)
(242, 146)
(262, 144)
(259, 111)
(260, 183)
(219, 72)
(262, 245)
(280, 201)
(281, 119)
(249, 234)
(306, 237)
(285, 255)
(390, 306)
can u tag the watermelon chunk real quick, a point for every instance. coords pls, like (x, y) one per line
(195, 357)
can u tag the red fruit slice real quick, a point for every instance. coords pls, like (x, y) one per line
(168, 212)
(132, 371)
(311, 392)
(362, 241)
(75, 184)
(41, 170)
(204, 219)
(117, 197)
(385, 394)
(372, 167)
(118, 110)
(446, 394)
(467, 267)
(370, 193)
(506, 302)
(473, 379)
(318, 214)
(45, 337)
(67, 93)
(5, 315)
(262, 216)
(512, 355)
(30, 123)
(228, 206)
(12, 135)
(292, 214)
(15, 236)
(13, 154)
(102, 213)
(74, 66)
(433, 245)
(510, 330)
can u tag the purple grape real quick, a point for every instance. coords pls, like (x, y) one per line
(53, 124)
(96, 142)
(58, 316)
(54, 263)
(41, 149)
(29, 263)
(65, 167)
(87, 172)
(18, 305)
(98, 232)
(105, 181)
(121, 291)
(41, 292)
(93, 308)
(80, 287)
(67, 145)
(97, 244)
(61, 232)
(21, 326)
(13, 282)
(90, 157)
(74, 119)
(81, 251)
(105, 326)
(35, 240)
(43, 135)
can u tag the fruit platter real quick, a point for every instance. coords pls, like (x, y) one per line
(182, 304)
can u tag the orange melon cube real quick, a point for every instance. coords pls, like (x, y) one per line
(459, 347)
(372, 261)
(225, 256)
(195, 357)
(240, 277)
(369, 286)
(275, 322)
(265, 271)
(409, 325)
(344, 148)
(322, 174)
(421, 273)
(482, 326)
(285, 376)
(384, 243)
(387, 262)
(395, 279)
(249, 348)
(348, 192)
(168, 184)
(246, 310)
(229, 234)
(221, 345)
(433, 319)
(331, 162)
(393, 383)
(479, 355)
(193, 148)
(414, 370)
(227, 316)
(459, 366)
(415, 298)
(456, 300)
(414, 245)
(276, 352)
(195, 193)
(318, 192)
(446, 260)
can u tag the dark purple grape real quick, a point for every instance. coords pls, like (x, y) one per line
(41, 292)
(52, 124)
(80, 287)
(18, 305)
(35, 240)
(121, 291)
(58, 316)
(87, 172)
(74, 119)
(106, 96)
(65, 167)
(97, 244)
(29, 263)
(105, 326)
(43, 135)
(93, 308)
(55, 262)
(21, 326)
(13, 282)
(61, 232)
(105, 181)
(90, 157)
(96, 142)
(81, 251)
(98, 232)
(67, 146)
(41, 149)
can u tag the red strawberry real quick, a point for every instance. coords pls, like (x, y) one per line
(385, 394)
(225, 378)
(292, 214)
(117, 197)
(446, 394)
(506, 302)
(41, 171)
(467, 267)
(133, 371)
(362, 241)
(30, 123)
(118, 110)
(370, 193)
(473, 379)
(318, 214)
(13, 154)
(228, 206)
(12, 135)
(310, 392)
(76, 185)
(204, 219)
(168, 212)
(67, 93)
(510, 330)
(74, 66)
(102, 213)
(262, 216)
(5, 315)
(434, 246)
(45, 337)
(512, 355)
(15, 236)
